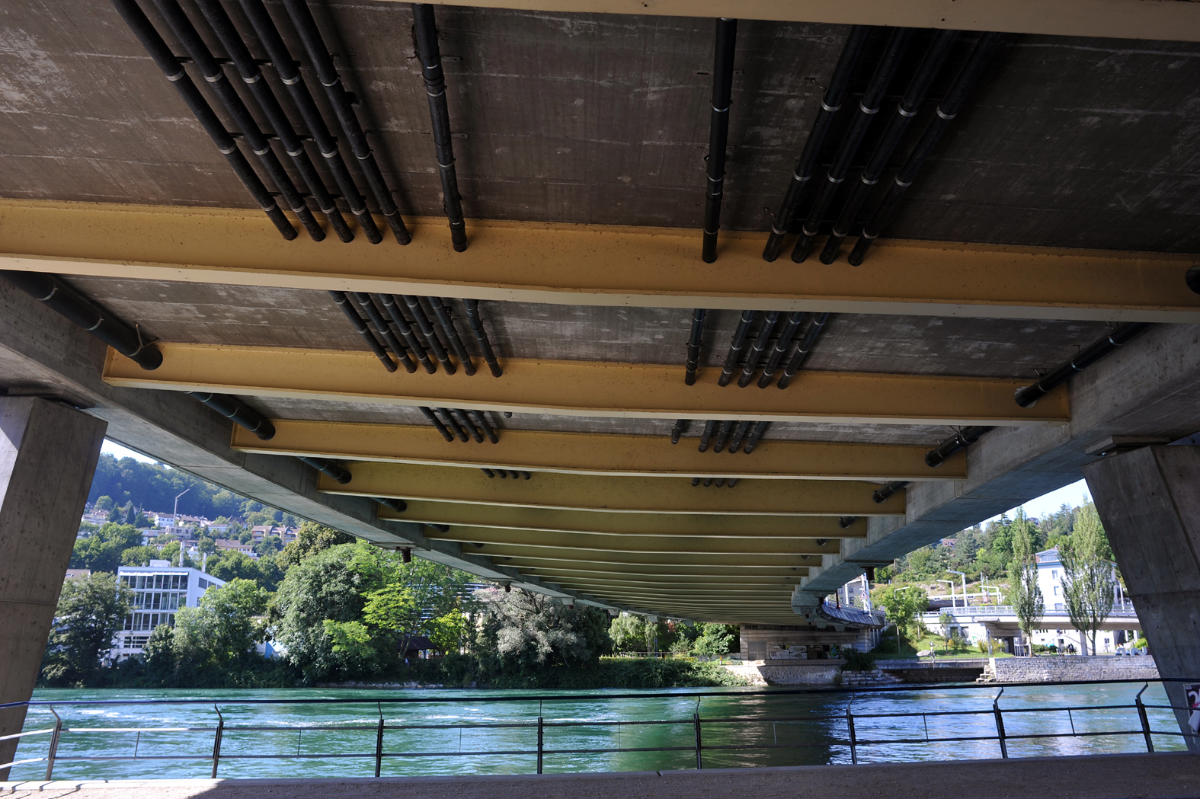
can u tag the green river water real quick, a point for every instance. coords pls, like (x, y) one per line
(800, 729)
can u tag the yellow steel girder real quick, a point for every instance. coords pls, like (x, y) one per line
(588, 492)
(533, 539)
(599, 453)
(586, 388)
(609, 575)
(1123, 19)
(624, 523)
(516, 557)
(537, 565)
(599, 265)
(584, 582)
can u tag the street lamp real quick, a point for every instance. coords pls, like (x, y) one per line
(175, 522)
(964, 584)
(953, 604)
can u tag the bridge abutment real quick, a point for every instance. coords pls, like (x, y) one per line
(1149, 502)
(48, 453)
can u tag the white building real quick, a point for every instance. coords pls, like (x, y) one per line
(159, 590)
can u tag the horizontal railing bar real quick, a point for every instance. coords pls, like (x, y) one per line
(26, 734)
(22, 762)
(1034, 735)
(131, 758)
(408, 700)
(615, 723)
(78, 730)
(529, 752)
(617, 750)
(923, 740)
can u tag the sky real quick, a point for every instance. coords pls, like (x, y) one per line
(1073, 495)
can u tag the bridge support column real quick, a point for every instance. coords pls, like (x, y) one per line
(48, 453)
(1149, 502)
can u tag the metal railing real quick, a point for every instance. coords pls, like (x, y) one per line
(1123, 612)
(852, 739)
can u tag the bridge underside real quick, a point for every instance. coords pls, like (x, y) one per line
(1060, 204)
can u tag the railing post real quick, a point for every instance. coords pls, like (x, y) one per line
(216, 756)
(53, 745)
(1000, 725)
(379, 743)
(696, 724)
(541, 741)
(853, 737)
(1141, 709)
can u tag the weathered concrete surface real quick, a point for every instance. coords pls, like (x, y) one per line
(1163, 776)
(47, 455)
(1058, 668)
(1149, 501)
(1148, 389)
(790, 671)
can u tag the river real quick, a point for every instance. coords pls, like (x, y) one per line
(801, 729)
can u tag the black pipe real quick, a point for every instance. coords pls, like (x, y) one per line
(406, 332)
(709, 428)
(361, 326)
(488, 472)
(1030, 394)
(718, 132)
(82, 311)
(782, 345)
(339, 98)
(527, 475)
(481, 337)
(708, 481)
(406, 555)
(722, 437)
(436, 422)
(760, 345)
(397, 505)
(846, 521)
(695, 339)
(237, 412)
(739, 435)
(367, 303)
(215, 77)
(960, 440)
(816, 328)
(289, 73)
(444, 314)
(452, 423)
(731, 482)
(755, 436)
(681, 426)
(835, 93)
(695, 481)
(464, 419)
(278, 121)
(947, 110)
(906, 110)
(175, 73)
(719, 482)
(888, 490)
(422, 319)
(868, 107)
(426, 37)
(328, 468)
(732, 358)
(482, 421)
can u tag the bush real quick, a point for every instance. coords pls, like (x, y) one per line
(858, 661)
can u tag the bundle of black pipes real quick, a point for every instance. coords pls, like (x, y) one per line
(504, 474)
(84, 312)
(724, 44)
(784, 341)
(949, 107)
(425, 35)
(1030, 394)
(735, 435)
(715, 482)
(465, 424)
(868, 107)
(959, 441)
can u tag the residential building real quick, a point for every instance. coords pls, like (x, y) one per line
(159, 590)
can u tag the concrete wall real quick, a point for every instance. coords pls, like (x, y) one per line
(1058, 668)
(801, 672)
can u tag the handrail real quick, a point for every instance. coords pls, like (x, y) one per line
(854, 740)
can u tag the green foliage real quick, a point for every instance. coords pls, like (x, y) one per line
(220, 632)
(312, 538)
(528, 630)
(858, 661)
(90, 612)
(628, 633)
(714, 640)
(903, 605)
(1023, 592)
(1088, 576)
(102, 550)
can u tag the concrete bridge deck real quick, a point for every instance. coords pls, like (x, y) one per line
(1161, 776)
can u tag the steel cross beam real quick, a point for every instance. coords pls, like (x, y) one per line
(624, 523)
(600, 265)
(527, 541)
(598, 453)
(586, 388)
(655, 560)
(1122, 19)
(586, 492)
(539, 566)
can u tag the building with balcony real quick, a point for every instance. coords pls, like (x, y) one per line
(159, 591)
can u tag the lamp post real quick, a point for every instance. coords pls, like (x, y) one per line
(964, 584)
(953, 604)
(175, 522)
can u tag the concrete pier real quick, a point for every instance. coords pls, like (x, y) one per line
(48, 453)
(1149, 502)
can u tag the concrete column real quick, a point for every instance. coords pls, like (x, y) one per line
(1149, 502)
(48, 453)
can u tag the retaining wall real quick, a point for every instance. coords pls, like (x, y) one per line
(1054, 668)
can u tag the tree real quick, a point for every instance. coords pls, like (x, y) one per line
(1088, 576)
(90, 612)
(1023, 592)
(714, 640)
(627, 632)
(903, 605)
(532, 630)
(104, 503)
(102, 551)
(311, 539)
(221, 631)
